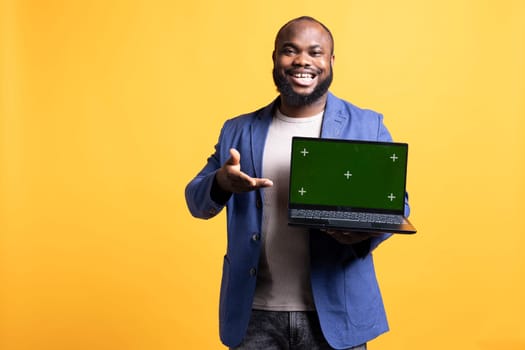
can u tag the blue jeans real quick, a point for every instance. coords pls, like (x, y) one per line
(284, 330)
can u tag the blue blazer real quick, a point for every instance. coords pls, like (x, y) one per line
(344, 285)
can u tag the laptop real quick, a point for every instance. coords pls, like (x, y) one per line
(348, 185)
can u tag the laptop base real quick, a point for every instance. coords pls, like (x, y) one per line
(343, 225)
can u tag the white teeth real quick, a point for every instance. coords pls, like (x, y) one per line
(303, 75)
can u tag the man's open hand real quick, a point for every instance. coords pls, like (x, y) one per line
(231, 179)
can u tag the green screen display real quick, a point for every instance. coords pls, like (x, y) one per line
(353, 174)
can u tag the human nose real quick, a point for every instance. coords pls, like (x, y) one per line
(302, 59)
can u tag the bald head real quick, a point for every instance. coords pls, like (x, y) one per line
(290, 25)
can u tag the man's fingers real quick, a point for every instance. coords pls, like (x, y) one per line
(251, 183)
(246, 181)
(259, 183)
(235, 157)
(232, 179)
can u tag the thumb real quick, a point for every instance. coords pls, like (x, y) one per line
(235, 157)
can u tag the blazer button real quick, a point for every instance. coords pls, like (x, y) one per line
(253, 271)
(256, 237)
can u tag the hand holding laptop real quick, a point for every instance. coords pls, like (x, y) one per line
(231, 179)
(350, 237)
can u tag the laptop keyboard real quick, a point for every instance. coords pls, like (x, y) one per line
(348, 216)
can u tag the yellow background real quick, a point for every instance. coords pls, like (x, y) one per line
(108, 109)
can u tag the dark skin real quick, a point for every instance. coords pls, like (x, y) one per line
(303, 55)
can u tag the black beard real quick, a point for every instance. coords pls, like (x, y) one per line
(297, 100)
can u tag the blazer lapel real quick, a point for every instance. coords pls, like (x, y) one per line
(335, 118)
(259, 131)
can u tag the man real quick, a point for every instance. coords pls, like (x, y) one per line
(287, 287)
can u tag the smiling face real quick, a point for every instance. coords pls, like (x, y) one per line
(303, 59)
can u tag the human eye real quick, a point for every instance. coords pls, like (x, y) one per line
(288, 50)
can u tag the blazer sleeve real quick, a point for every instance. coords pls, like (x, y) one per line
(199, 189)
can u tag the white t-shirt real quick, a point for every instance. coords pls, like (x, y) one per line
(283, 279)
